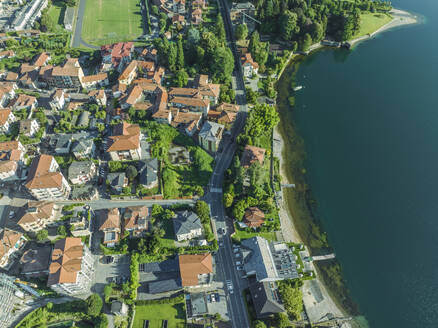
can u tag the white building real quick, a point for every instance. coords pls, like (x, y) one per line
(6, 119)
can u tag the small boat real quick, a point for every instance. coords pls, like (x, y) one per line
(298, 88)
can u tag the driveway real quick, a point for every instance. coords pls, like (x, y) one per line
(105, 273)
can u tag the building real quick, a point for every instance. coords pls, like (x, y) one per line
(195, 270)
(136, 220)
(35, 216)
(98, 96)
(83, 119)
(124, 144)
(81, 172)
(252, 154)
(12, 151)
(8, 300)
(57, 100)
(110, 225)
(267, 262)
(28, 14)
(119, 308)
(117, 55)
(148, 173)
(35, 261)
(41, 59)
(210, 136)
(193, 104)
(129, 73)
(7, 93)
(187, 225)
(45, 181)
(265, 299)
(71, 267)
(69, 75)
(249, 66)
(61, 143)
(9, 170)
(187, 122)
(196, 305)
(29, 127)
(95, 81)
(83, 148)
(69, 18)
(10, 242)
(24, 101)
(117, 181)
(253, 217)
(6, 119)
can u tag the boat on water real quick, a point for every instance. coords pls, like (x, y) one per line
(297, 88)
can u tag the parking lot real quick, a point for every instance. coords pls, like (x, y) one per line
(117, 272)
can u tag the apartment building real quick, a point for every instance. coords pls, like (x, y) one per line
(71, 267)
(6, 119)
(10, 242)
(124, 144)
(35, 216)
(45, 181)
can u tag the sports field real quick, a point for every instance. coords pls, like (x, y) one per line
(108, 21)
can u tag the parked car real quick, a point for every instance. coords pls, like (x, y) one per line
(238, 263)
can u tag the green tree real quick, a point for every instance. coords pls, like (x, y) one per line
(220, 29)
(101, 321)
(307, 42)
(108, 291)
(292, 298)
(181, 78)
(203, 210)
(157, 210)
(62, 231)
(42, 235)
(259, 324)
(228, 199)
(172, 56)
(94, 305)
(131, 172)
(180, 50)
(288, 21)
(241, 32)
(254, 42)
(282, 320)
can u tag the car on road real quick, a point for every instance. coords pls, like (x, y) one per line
(239, 268)
(216, 295)
(108, 259)
(238, 263)
(236, 250)
(11, 214)
(213, 299)
(221, 244)
(237, 254)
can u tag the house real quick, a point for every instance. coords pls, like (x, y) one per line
(252, 154)
(199, 4)
(240, 11)
(179, 6)
(36, 216)
(71, 267)
(35, 261)
(81, 172)
(253, 217)
(12, 151)
(57, 100)
(187, 225)
(124, 144)
(195, 270)
(163, 116)
(41, 60)
(119, 308)
(249, 66)
(83, 148)
(265, 299)
(95, 81)
(80, 224)
(197, 16)
(187, 122)
(98, 96)
(7, 93)
(192, 104)
(210, 136)
(117, 181)
(136, 221)
(61, 144)
(11, 77)
(24, 101)
(110, 226)
(8, 170)
(10, 242)
(129, 73)
(7, 54)
(69, 75)
(148, 173)
(117, 55)
(45, 181)
(267, 261)
(6, 119)
(178, 19)
(29, 80)
(29, 127)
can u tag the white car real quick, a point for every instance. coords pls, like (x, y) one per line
(239, 268)
(238, 263)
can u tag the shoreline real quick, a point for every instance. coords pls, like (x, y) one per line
(315, 309)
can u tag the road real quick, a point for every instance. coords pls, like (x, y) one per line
(99, 204)
(236, 305)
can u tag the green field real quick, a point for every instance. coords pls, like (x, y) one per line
(56, 13)
(371, 22)
(108, 21)
(243, 234)
(156, 313)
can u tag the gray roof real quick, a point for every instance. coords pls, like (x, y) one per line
(36, 259)
(265, 299)
(83, 191)
(147, 170)
(69, 16)
(211, 131)
(198, 304)
(185, 222)
(79, 168)
(61, 141)
(163, 286)
(84, 118)
(116, 180)
(119, 307)
(82, 145)
(158, 267)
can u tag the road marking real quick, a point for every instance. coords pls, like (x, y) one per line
(219, 190)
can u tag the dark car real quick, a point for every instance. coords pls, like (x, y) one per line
(109, 259)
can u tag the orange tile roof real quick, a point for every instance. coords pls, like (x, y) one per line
(228, 107)
(247, 59)
(128, 70)
(253, 217)
(191, 266)
(94, 78)
(4, 115)
(66, 261)
(8, 239)
(24, 100)
(252, 154)
(39, 176)
(132, 216)
(43, 210)
(9, 145)
(41, 59)
(227, 117)
(127, 137)
(110, 219)
(8, 166)
(195, 102)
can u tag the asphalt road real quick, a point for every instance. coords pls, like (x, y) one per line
(77, 35)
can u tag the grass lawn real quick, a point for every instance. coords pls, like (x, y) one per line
(169, 238)
(108, 21)
(371, 22)
(156, 313)
(242, 234)
(56, 13)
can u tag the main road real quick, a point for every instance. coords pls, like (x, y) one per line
(236, 305)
